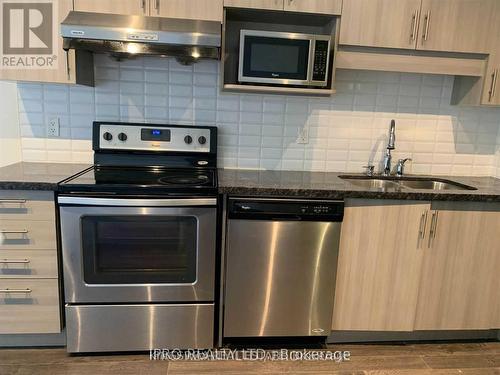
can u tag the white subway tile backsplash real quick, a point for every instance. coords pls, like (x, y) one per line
(346, 131)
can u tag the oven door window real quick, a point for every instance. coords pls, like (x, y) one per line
(278, 58)
(136, 250)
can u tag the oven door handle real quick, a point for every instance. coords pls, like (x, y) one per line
(174, 202)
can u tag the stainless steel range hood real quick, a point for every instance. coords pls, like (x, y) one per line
(127, 36)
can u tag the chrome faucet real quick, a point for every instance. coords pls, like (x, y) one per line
(390, 147)
(400, 167)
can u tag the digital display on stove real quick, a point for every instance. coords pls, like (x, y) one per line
(155, 135)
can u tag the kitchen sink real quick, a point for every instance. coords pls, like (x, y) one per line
(374, 183)
(407, 182)
(434, 185)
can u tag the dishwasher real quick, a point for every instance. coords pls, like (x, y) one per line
(281, 262)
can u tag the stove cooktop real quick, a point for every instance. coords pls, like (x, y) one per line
(142, 181)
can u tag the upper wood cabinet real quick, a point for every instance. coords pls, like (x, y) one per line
(379, 265)
(209, 10)
(456, 25)
(491, 88)
(431, 25)
(134, 7)
(65, 71)
(380, 23)
(314, 6)
(255, 4)
(459, 270)
(332, 7)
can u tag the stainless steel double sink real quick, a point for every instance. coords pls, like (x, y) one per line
(396, 183)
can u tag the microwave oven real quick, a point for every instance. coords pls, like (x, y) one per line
(283, 58)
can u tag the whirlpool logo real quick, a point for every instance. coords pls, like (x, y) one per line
(29, 34)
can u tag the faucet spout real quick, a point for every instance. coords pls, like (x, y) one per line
(392, 136)
(390, 146)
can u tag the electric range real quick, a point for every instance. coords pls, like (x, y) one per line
(138, 236)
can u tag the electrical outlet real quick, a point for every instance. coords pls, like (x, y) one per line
(53, 127)
(303, 136)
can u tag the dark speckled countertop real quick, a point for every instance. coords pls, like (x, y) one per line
(36, 176)
(330, 185)
(45, 176)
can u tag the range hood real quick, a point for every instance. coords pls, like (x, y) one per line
(125, 36)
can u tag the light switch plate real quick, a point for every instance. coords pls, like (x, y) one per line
(53, 127)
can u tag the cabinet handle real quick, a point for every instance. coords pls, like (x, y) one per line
(157, 6)
(427, 20)
(17, 261)
(7, 290)
(432, 231)
(414, 22)
(143, 5)
(12, 201)
(22, 231)
(493, 84)
(423, 224)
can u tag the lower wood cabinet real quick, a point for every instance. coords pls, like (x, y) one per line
(379, 265)
(458, 276)
(29, 284)
(407, 265)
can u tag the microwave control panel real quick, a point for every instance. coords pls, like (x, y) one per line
(320, 65)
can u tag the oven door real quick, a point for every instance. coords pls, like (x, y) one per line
(138, 250)
(274, 57)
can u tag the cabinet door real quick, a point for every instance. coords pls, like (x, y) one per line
(256, 4)
(495, 318)
(380, 23)
(65, 71)
(210, 10)
(459, 267)
(314, 6)
(491, 90)
(136, 7)
(456, 25)
(379, 265)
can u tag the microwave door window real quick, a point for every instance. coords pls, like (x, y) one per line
(136, 250)
(276, 58)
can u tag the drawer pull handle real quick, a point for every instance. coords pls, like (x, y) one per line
(7, 261)
(13, 201)
(22, 231)
(7, 290)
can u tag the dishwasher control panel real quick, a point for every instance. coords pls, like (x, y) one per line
(287, 209)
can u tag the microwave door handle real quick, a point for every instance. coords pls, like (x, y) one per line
(310, 67)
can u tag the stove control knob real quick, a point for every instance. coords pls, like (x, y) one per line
(107, 136)
(122, 137)
(188, 139)
(202, 140)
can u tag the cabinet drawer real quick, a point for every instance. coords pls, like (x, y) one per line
(29, 306)
(26, 205)
(27, 235)
(28, 263)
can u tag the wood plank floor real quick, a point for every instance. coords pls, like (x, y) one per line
(405, 359)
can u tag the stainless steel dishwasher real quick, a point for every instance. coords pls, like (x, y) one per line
(281, 261)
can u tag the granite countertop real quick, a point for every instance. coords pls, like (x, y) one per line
(326, 185)
(329, 185)
(36, 176)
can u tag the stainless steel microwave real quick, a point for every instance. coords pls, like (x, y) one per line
(284, 58)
